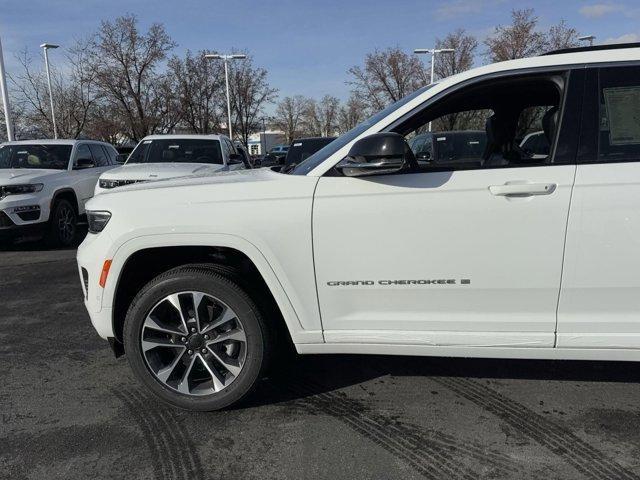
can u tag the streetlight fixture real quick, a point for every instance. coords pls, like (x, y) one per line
(5, 98)
(433, 52)
(226, 59)
(588, 38)
(46, 47)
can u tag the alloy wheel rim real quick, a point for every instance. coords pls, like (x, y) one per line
(66, 224)
(193, 343)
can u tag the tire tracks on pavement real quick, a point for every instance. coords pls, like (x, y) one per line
(586, 459)
(434, 455)
(173, 453)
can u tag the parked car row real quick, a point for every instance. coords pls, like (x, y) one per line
(44, 184)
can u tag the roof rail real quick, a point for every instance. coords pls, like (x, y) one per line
(612, 46)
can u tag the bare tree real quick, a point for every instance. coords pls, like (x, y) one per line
(199, 86)
(250, 93)
(386, 77)
(351, 114)
(321, 118)
(518, 40)
(327, 115)
(289, 116)
(74, 95)
(464, 46)
(562, 36)
(126, 63)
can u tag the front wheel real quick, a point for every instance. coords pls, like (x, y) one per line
(195, 339)
(63, 224)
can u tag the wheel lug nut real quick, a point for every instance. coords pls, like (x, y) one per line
(193, 330)
(184, 339)
(206, 337)
(204, 350)
(190, 352)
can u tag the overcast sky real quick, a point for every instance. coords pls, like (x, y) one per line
(307, 46)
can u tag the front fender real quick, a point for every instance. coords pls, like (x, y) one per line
(298, 332)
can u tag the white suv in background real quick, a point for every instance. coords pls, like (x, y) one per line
(494, 252)
(44, 185)
(159, 157)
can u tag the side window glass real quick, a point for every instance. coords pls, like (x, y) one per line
(99, 157)
(497, 124)
(83, 155)
(111, 153)
(619, 118)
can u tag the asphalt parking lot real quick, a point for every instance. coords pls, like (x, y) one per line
(69, 410)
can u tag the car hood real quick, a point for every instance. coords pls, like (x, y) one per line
(158, 171)
(13, 176)
(206, 177)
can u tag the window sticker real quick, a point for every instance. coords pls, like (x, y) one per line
(297, 144)
(623, 113)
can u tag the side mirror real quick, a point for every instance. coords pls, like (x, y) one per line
(378, 154)
(84, 163)
(235, 158)
(121, 158)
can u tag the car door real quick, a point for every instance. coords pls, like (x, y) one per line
(84, 173)
(600, 300)
(468, 256)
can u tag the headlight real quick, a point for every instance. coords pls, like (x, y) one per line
(104, 183)
(108, 183)
(19, 189)
(97, 220)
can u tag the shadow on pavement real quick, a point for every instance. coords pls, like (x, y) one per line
(305, 376)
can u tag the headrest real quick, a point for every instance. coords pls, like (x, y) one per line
(168, 155)
(499, 130)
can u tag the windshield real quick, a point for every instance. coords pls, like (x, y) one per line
(177, 150)
(302, 149)
(321, 155)
(41, 156)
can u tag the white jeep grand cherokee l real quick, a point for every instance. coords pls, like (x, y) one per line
(361, 249)
(44, 185)
(158, 157)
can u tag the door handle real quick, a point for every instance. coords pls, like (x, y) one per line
(522, 189)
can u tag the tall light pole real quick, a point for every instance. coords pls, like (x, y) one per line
(588, 38)
(226, 59)
(5, 98)
(263, 140)
(46, 47)
(433, 52)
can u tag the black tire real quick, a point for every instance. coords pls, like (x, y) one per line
(63, 224)
(194, 278)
